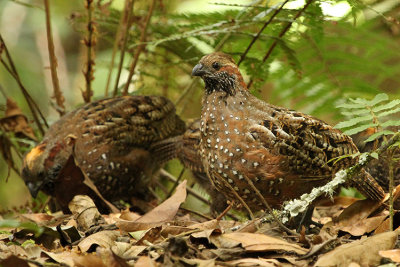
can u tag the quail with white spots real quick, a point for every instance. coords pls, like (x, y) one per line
(255, 152)
(112, 145)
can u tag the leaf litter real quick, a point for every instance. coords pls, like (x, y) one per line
(355, 233)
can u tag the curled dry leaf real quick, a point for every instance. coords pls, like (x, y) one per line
(145, 261)
(164, 212)
(85, 212)
(257, 242)
(354, 219)
(105, 239)
(365, 252)
(393, 254)
(15, 121)
(89, 260)
(255, 262)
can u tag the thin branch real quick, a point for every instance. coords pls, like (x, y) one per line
(189, 190)
(53, 62)
(243, 56)
(10, 67)
(90, 42)
(140, 48)
(281, 34)
(121, 38)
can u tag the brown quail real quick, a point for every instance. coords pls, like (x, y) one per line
(189, 154)
(250, 146)
(112, 140)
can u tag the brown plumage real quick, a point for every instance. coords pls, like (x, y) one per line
(188, 152)
(378, 168)
(112, 145)
(248, 144)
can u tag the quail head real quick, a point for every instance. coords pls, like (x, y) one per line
(112, 145)
(255, 152)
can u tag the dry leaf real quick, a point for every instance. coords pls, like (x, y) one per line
(104, 239)
(89, 260)
(257, 242)
(145, 261)
(15, 121)
(13, 261)
(365, 252)
(393, 254)
(256, 262)
(364, 226)
(163, 213)
(85, 212)
(167, 210)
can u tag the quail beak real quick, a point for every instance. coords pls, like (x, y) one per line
(34, 188)
(198, 70)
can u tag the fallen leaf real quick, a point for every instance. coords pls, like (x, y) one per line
(167, 210)
(103, 239)
(364, 226)
(364, 252)
(393, 254)
(145, 261)
(89, 260)
(257, 242)
(15, 121)
(163, 213)
(198, 262)
(13, 261)
(85, 212)
(255, 262)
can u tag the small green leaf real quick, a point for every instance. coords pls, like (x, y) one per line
(374, 155)
(383, 114)
(359, 129)
(390, 123)
(353, 121)
(25, 225)
(389, 105)
(378, 98)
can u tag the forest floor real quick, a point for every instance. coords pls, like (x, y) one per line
(354, 233)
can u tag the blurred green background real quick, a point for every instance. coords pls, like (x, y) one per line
(332, 51)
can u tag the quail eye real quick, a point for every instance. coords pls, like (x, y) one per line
(216, 65)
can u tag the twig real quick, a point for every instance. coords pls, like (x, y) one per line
(53, 62)
(196, 213)
(10, 67)
(281, 34)
(123, 38)
(189, 190)
(139, 49)
(89, 42)
(176, 182)
(243, 56)
(296, 206)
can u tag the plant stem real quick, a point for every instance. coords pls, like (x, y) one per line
(243, 56)
(90, 42)
(53, 62)
(139, 49)
(124, 25)
(281, 34)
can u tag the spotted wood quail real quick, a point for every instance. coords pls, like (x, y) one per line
(112, 140)
(250, 146)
